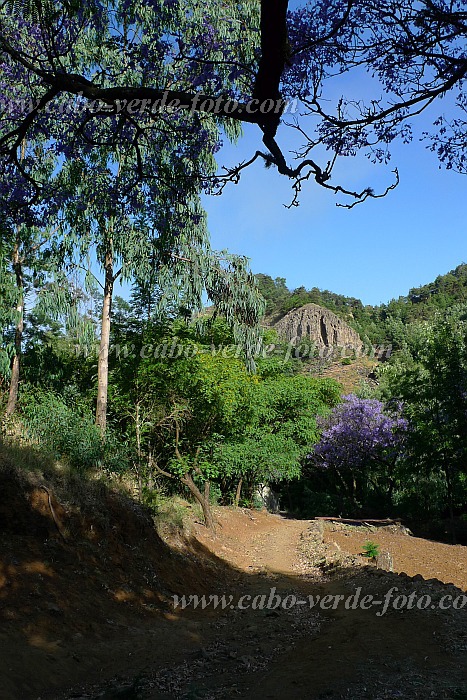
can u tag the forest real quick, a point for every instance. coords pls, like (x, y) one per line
(101, 183)
(186, 413)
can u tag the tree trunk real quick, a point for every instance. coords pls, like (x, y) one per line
(452, 521)
(202, 500)
(238, 492)
(103, 362)
(16, 361)
(138, 451)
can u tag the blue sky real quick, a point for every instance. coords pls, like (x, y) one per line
(376, 251)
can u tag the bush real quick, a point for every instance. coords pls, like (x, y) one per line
(215, 494)
(63, 430)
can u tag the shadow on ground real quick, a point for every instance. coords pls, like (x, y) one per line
(86, 611)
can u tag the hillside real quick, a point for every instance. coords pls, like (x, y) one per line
(378, 324)
(320, 325)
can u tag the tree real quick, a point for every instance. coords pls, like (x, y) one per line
(282, 429)
(195, 415)
(34, 271)
(181, 400)
(360, 445)
(274, 291)
(7, 315)
(135, 69)
(151, 229)
(431, 380)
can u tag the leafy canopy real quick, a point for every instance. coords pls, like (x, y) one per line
(78, 76)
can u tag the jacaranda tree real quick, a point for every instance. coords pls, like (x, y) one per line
(360, 445)
(136, 68)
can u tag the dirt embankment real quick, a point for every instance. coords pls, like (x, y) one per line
(86, 603)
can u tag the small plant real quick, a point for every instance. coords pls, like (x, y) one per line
(370, 550)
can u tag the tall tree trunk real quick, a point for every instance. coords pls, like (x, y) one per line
(138, 450)
(103, 362)
(16, 361)
(203, 500)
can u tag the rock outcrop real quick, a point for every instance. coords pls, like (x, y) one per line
(321, 326)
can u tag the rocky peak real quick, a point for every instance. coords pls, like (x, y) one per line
(320, 325)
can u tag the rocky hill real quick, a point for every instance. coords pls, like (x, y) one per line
(321, 326)
(382, 324)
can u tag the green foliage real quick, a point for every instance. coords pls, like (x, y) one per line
(63, 430)
(370, 549)
(282, 429)
(280, 300)
(307, 501)
(431, 379)
(182, 401)
(169, 512)
(70, 434)
(274, 292)
(186, 399)
(387, 324)
(8, 301)
(215, 494)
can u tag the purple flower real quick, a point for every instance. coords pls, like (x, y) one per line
(358, 433)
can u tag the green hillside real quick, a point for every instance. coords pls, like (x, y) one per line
(379, 324)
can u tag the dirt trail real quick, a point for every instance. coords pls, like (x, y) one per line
(267, 544)
(292, 652)
(404, 654)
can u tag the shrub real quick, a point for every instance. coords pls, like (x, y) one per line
(63, 430)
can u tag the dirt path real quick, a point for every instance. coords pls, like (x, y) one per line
(252, 650)
(257, 543)
(302, 652)
(402, 654)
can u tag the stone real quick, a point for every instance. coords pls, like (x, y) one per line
(53, 609)
(319, 325)
(384, 561)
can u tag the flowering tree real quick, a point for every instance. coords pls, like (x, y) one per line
(360, 444)
(124, 191)
(121, 71)
(142, 91)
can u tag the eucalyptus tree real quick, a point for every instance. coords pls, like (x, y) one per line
(241, 65)
(7, 316)
(152, 231)
(128, 192)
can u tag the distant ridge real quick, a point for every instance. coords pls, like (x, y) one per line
(381, 324)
